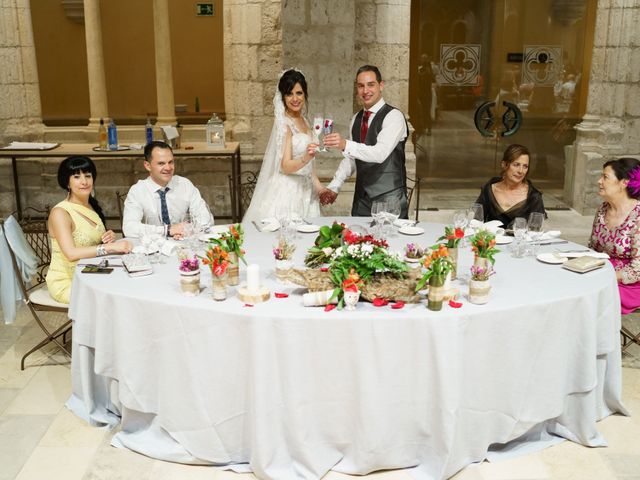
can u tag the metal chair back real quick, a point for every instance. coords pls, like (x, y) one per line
(246, 187)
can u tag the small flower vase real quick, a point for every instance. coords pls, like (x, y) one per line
(479, 291)
(233, 270)
(453, 255)
(436, 292)
(481, 262)
(283, 269)
(219, 286)
(414, 265)
(351, 299)
(190, 283)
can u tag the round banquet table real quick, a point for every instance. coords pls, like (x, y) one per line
(291, 392)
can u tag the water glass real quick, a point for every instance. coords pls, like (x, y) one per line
(391, 214)
(378, 207)
(534, 228)
(476, 215)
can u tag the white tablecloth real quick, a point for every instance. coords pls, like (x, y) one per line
(290, 392)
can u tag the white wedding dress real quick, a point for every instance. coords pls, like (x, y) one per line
(278, 192)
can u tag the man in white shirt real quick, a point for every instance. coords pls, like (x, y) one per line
(375, 150)
(159, 203)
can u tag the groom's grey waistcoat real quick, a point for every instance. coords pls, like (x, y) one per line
(376, 179)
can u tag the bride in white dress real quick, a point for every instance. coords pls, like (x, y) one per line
(288, 180)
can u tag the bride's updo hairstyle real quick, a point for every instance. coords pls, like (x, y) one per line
(288, 80)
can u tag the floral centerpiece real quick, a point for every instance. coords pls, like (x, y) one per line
(189, 275)
(451, 239)
(437, 265)
(232, 241)
(282, 254)
(480, 273)
(189, 265)
(483, 244)
(328, 239)
(479, 286)
(217, 257)
(361, 255)
(413, 251)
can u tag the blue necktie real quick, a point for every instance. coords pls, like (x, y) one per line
(164, 211)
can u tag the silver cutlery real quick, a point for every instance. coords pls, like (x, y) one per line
(255, 224)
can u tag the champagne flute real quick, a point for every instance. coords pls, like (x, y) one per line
(476, 216)
(327, 129)
(461, 220)
(318, 123)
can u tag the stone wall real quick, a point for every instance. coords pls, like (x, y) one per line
(611, 127)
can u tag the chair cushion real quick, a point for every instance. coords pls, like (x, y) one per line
(40, 296)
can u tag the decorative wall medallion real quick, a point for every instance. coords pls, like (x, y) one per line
(542, 64)
(486, 124)
(459, 63)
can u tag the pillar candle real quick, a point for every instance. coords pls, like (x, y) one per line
(253, 277)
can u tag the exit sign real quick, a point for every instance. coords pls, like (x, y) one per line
(205, 9)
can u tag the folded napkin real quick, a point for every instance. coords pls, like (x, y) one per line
(582, 254)
(270, 224)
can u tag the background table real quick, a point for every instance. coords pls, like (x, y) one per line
(198, 150)
(292, 392)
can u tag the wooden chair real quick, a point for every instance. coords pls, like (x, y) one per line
(120, 198)
(246, 186)
(35, 294)
(413, 185)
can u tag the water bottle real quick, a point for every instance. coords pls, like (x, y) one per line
(148, 130)
(102, 135)
(112, 134)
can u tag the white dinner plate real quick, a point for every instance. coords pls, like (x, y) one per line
(550, 258)
(408, 230)
(306, 228)
(504, 239)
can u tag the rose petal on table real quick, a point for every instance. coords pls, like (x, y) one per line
(248, 305)
(397, 305)
(454, 304)
(281, 295)
(329, 307)
(380, 302)
(324, 269)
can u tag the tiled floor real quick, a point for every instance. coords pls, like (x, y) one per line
(40, 439)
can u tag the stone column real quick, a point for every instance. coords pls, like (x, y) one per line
(164, 68)
(98, 105)
(20, 108)
(611, 125)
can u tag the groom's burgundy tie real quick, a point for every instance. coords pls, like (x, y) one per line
(364, 127)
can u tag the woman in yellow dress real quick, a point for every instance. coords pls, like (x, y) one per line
(77, 227)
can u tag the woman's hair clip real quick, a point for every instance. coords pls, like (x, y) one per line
(634, 181)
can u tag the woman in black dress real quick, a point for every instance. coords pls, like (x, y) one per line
(511, 195)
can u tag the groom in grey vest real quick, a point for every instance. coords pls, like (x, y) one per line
(375, 151)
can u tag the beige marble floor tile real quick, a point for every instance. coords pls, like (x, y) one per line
(527, 467)
(45, 394)
(110, 463)
(19, 436)
(570, 461)
(622, 434)
(10, 374)
(57, 463)
(171, 471)
(470, 472)
(68, 430)
(6, 397)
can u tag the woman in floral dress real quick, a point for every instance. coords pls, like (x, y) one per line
(616, 226)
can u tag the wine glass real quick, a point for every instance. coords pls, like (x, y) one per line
(476, 216)
(283, 215)
(328, 127)
(461, 220)
(392, 212)
(378, 207)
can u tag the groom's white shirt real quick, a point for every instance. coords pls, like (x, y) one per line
(394, 130)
